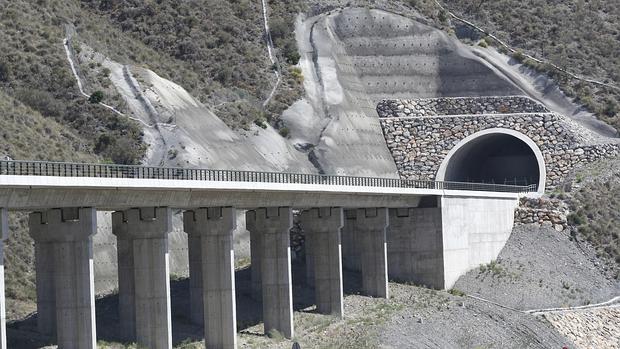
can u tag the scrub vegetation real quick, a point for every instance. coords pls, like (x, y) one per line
(595, 210)
(580, 36)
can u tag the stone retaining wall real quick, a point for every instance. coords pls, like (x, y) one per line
(542, 211)
(459, 106)
(420, 144)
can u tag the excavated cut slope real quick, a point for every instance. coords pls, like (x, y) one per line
(354, 58)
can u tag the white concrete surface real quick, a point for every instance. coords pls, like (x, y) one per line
(35, 192)
(323, 226)
(67, 236)
(474, 232)
(146, 230)
(214, 229)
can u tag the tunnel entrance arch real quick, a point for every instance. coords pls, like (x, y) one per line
(496, 155)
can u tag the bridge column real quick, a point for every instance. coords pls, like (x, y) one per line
(323, 226)
(214, 228)
(274, 225)
(350, 243)
(64, 256)
(194, 251)
(415, 247)
(256, 248)
(371, 224)
(4, 234)
(144, 275)
(310, 248)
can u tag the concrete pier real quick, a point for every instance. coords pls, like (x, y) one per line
(277, 292)
(65, 259)
(256, 248)
(4, 234)
(145, 287)
(214, 229)
(310, 249)
(415, 246)
(194, 252)
(323, 227)
(350, 242)
(371, 225)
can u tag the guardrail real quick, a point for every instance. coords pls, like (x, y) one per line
(67, 169)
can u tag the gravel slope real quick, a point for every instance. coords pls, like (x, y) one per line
(541, 268)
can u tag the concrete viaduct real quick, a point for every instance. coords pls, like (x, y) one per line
(423, 231)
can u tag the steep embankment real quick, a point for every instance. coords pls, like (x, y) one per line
(355, 57)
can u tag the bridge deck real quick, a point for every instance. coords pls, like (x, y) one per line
(33, 185)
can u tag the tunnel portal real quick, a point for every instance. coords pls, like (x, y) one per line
(498, 158)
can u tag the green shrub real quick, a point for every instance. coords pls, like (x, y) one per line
(519, 56)
(576, 219)
(261, 122)
(284, 132)
(456, 292)
(96, 97)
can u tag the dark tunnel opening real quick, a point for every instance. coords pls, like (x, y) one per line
(494, 158)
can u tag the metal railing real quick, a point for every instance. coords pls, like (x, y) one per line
(67, 169)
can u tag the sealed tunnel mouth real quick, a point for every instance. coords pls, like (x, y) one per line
(499, 158)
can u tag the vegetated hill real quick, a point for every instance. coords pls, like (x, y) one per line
(594, 201)
(26, 134)
(34, 72)
(214, 49)
(580, 36)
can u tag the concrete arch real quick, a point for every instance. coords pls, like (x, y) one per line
(483, 142)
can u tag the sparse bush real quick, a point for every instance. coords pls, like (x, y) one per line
(297, 75)
(519, 56)
(96, 97)
(284, 132)
(443, 16)
(260, 122)
(456, 292)
(576, 219)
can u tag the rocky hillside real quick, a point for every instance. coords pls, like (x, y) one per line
(199, 82)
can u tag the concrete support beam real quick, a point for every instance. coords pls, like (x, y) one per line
(4, 234)
(323, 227)
(371, 225)
(415, 246)
(274, 224)
(63, 241)
(214, 229)
(144, 274)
